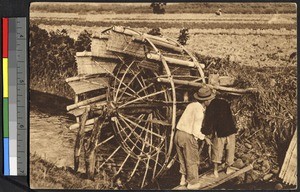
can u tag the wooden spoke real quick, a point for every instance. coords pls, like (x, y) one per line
(128, 138)
(116, 78)
(138, 137)
(129, 83)
(106, 140)
(141, 98)
(137, 163)
(132, 130)
(155, 165)
(137, 78)
(146, 171)
(143, 128)
(146, 142)
(122, 79)
(145, 88)
(155, 121)
(127, 157)
(113, 153)
(128, 94)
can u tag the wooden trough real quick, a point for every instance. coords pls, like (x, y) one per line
(127, 95)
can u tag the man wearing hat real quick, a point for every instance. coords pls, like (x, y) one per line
(187, 135)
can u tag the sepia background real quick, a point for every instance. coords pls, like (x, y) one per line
(253, 42)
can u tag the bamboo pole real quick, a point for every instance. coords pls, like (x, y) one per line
(95, 107)
(146, 171)
(217, 87)
(174, 61)
(132, 32)
(85, 77)
(85, 102)
(106, 140)
(168, 72)
(159, 43)
(77, 125)
(108, 158)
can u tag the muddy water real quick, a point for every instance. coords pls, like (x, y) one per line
(49, 134)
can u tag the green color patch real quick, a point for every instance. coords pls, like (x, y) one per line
(5, 117)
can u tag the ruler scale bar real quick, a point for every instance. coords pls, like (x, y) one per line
(22, 115)
(5, 34)
(12, 68)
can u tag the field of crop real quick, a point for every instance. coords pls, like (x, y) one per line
(260, 50)
(253, 39)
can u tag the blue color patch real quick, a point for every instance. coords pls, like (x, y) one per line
(6, 156)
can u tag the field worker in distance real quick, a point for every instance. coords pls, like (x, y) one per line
(220, 125)
(187, 135)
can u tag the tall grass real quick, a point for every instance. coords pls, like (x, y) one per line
(46, 175)
(272, 111)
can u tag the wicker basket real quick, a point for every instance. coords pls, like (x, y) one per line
(99, 48)
(124, 43)
(87, 64)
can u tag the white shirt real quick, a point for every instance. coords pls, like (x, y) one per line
(191, 120)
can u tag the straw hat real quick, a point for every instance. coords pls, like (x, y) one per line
(204, 93)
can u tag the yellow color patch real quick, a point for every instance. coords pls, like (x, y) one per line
(5, 77)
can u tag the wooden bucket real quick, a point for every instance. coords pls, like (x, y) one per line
(125, 44)
(99, 47)
(88, 64)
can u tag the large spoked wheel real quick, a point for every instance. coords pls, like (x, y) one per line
(142, 118)
(142, 106)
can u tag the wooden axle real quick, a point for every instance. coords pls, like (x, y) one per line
(95, 107)
(77, 125)
(85, 102)
(85, 77)
(195, 84)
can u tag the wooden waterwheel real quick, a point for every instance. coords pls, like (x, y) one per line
(130, 91)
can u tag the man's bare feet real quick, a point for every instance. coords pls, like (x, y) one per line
(229, 170)
(216, 174)
(183, 180)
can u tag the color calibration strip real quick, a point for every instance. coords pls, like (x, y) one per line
(5, 96)
(14, 96)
